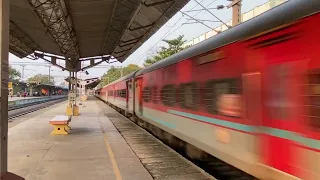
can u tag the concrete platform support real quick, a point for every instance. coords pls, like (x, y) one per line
(72, 110)
(4, 51)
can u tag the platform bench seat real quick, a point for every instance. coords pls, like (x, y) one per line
(60, 124)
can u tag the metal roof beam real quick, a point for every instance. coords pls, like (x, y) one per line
(116, 31)
(56, 19)
(124, 45)
(134, 39)
(19, 47)
(156, 3)
(20, 43)
(53, 58)
(141, 27)
(117, 52)
(119, 56)
(104, 59)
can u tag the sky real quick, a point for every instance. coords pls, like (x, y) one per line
(173, 28)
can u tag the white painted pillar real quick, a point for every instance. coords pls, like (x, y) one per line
(4, 52)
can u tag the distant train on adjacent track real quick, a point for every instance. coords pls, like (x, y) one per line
(249, 96)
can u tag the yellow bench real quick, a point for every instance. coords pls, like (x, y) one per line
(60, 124)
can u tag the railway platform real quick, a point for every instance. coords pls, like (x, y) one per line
(15, 98)
(94, 148)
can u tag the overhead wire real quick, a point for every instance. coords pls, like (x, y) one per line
(167, 34)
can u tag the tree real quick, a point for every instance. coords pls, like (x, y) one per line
(130, 68)
(14, 75)
(174, 46)
(115, 73)
(41, 78)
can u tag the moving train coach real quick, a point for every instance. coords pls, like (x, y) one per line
(249, 96)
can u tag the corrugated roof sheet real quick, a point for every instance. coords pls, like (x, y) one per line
(101, 27)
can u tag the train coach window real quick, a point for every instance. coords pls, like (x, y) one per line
(123, 93)
(154, 94)
(223, 97)
(168, 95)
(279, 81)
(313, 99)
(146, 94)
(187, 96)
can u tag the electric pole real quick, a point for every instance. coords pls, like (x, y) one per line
(49, 80)
(22, 74)
(49, 74)
(236, 12)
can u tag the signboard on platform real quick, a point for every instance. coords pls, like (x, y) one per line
(10, 85)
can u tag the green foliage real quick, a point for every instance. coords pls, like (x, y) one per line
(130, 68)
(41, 78)
(115, 73)
(14, 75)
(16, 88)
(174, 46)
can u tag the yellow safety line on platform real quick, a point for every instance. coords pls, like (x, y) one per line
(113, 160)
(111, 155)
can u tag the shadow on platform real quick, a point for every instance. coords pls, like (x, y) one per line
(11, 176)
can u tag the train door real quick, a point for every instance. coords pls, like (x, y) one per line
(138, 95)
(114, 94)
(281, 115)
(107, 94)
(127, 93)
(251, 83)
(252, 102)
(130, 95)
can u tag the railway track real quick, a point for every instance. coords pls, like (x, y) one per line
(21, 110)
(212, 165)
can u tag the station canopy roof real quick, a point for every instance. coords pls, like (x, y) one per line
(90, 83)
(83, 29)
(38, 85)
(93, 84)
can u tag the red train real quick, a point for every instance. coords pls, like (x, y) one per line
(249, 96)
